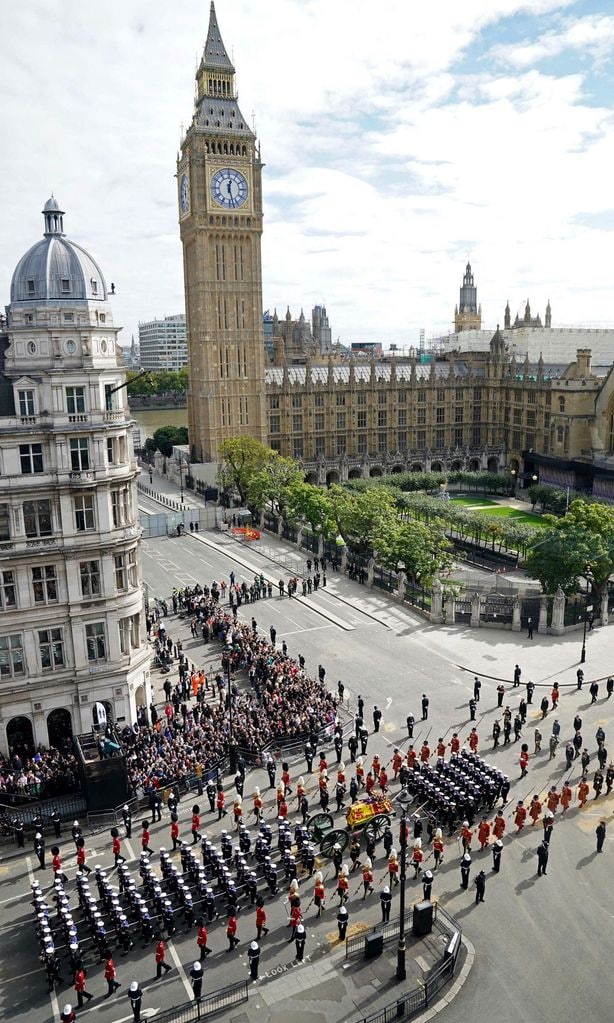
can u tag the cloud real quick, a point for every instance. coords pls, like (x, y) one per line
(592, 37)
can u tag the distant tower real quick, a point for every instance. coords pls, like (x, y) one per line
(220, 216)
(467, 316)
(548, 320)
(507, 317)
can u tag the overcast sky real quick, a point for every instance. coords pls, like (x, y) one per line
(400, 138)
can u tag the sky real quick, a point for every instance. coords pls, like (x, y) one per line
(400, 139)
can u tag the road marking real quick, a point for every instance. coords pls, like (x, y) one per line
(315, 628)
(177, 961)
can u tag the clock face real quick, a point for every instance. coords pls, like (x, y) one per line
(229, 188)
(185, 194)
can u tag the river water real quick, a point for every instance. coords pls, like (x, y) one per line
(151, 420)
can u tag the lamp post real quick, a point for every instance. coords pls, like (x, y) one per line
(513, 474)
(587, 609)
(403, 798)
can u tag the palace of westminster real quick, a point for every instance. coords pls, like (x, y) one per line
(530, 398)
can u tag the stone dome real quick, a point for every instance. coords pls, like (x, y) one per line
(56, 269)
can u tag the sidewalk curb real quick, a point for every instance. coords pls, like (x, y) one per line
(451, 993)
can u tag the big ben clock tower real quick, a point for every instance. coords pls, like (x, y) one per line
(220, 216)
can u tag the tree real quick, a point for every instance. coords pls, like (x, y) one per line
(271, 483)
(240, 459)
(310, 503)
(359, 514)
(423, 548)
(166, 438)
(581, 542)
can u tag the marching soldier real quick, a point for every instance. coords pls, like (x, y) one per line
(136, 997)
(160, 956)
(342, 922)
(253, 955)
(301, 938)
(385, 902)
(39, 848)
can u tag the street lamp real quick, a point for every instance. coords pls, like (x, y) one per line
(403, 798)
(513, 474)
(587, 609)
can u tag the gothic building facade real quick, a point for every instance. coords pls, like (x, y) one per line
(474, 405)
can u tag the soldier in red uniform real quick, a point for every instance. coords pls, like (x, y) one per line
(56, 864)
(535, 810)
(582, 792)
(370, 783)
(110, 974)
(175, 830)
(397, 763)
(438, 847)
(524, 759)
(466, 836)
(116, 847)
(261, 927)
(81, 864)
(441, 749)
(80, 987)
(411, 758)
(257, 800)
(360, 773)
(220, 803)
(383, 781)
(160, 957)
(454, 744)
(145, 837)
(376, 765)
(393, 868)
(498, 825)
(553, 799)
(231, 930)
(425, 752)
(520, 815)
(285, 777)
(319, 893)
(473, 740)
(417, 857)
(343, 885)
(195, 824)
(367, 878)
(483, 833)
(566, 795)
(201, 940)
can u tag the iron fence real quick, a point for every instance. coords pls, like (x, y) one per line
(356, 944)
(385, 579)
(575, 609)
(217, 1001)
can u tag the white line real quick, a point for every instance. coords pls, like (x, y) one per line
(55, 1008)
(316, 628)
(177, 961)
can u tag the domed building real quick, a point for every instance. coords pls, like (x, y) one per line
(72, 630)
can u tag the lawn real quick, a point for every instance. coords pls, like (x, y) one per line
(528, 518)
(473, 502)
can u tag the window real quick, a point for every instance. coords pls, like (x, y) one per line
(531, 397)
(458, 437)
(297, 423)
(362, 420)
(382, 442)
(320, 447)
(84, 512)
(45, 584)
(51, 646)
(96, 640)
(5, 529)
(129, 633)
(421, 438)
(382, 417)
(68, 317)
(297, 401)
(477, 393)
(530, 422)
(31, 286)
(90, 578)
(297, 448)
(65, 285)
(103, 318)
(517, 417)
(121, 571)
(440, 414)
(120, 506)
(8, 592)
(340, 398)
(79, 454)
(94, 284)
(11, 656)
(402, 397)
(274, 424)
(402, 440)
(361, 398)
(421, 416)
(546, 420)
(402, 417)
(362, 443)
(319, 401)
(319, 420)
(441, 394)
(341, 420)
(477, 413)
(108, 396)
(133, 575)
(75, 400)
(274, 401)
(37, 518)
(111, 450)
(26, 403)
(561, 404)
(548, 399)
(560, 433)
(459, 394)
(440, 439)
(459, 414)
(477, 436)
(381, 398)
(341, 444)
(421, 396)
(31, 458)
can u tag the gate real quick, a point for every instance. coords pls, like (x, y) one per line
(462, 611)
(529, 608)
(575, 609)
(384, 579)
(498, 610)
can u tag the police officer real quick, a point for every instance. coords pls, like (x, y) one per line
(299, 941)
(19, 832)
(309, 756)
(342, 922)
(410, 726)
(136, 997)
(542, 858)
(472, 708)
(211, 794)
(39, 849)
(253, 955)
(196, 973)
(56, 820)
(271, 770)
(427, 885)
(480, 887)
(127, 819)
(385, 900)
(496, 855)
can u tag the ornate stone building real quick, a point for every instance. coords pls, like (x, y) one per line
(71, 605)
(474, 405)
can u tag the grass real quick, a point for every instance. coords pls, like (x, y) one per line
(473, 502)
(528, 518)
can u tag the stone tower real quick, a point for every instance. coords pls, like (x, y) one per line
(219, 183)
(467, 315)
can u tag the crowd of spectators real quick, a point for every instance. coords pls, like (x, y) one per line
(48, 773)
(281, 702)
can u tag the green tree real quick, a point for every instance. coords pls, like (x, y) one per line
(270, 484)
(423, 548)
(359, 514)
(240, 459)
(310, 503)
(166, 437)
(581, 541)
